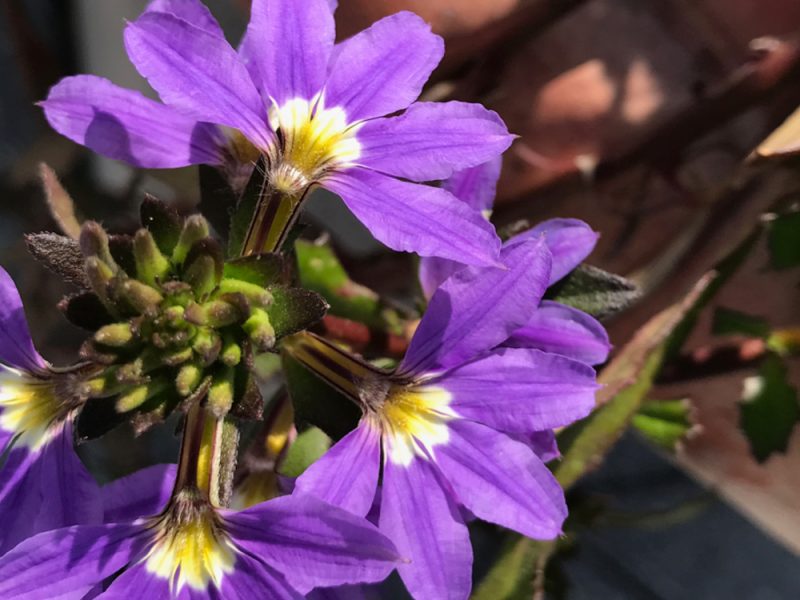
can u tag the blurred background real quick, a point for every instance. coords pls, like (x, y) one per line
(634, 115)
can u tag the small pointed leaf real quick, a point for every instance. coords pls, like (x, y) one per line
(163, 222)
(60, 254)
(594, 291)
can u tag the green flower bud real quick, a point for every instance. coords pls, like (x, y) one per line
(216, 313)
(116, 335)
(202, 275)
(207, 344)
(255, 294)
(94, 243)
(260, 330)
(99, 275)
(189, 377)
(231, 353)
(139, 297)
(140, 394)
(151, 266)
(220, 394)
(194, 229)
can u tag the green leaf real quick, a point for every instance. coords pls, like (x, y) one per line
(260, 269)
(784, 241)
(316, 403)
(733, 322)
(320, 270)
(294, 309)
(245, 209)
(514, 575)
(304, 451)
(594, 291)
(769, 410)
(666, 423)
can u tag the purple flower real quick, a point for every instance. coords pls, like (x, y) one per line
(448, 422)
(43, 484)
(316, 110)
(554, 327)
(278, 549)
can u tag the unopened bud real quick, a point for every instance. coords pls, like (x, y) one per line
(216, 313)
(140, 297)
(94, 243)
(173, 359)
(188, 379)
(115, 335)
(255, 294)
(99, 275)
(151, 266)
(194, 229)
(231, 353)
(207, 344)
(220, 394)
(202, 275)
(137, 396)
(260, 330)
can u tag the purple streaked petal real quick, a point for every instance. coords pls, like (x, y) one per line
(422, 518)
(313, 543)
(71, 495)
(254, 579)
(476, 309)
(432, 140)
(501, 480)
(347, 475)
(382, 69)
(433, 271)
(124, 125)
(543, 443)
(521, 390)
(20, 497)
(345, 592)
(16, 345)
(140, 494)
(191, 11)
(288, 45)
(570, 242)
(409, 217)
(477, 185)
(67, 563)
(197, 72)
(564, 330)
(137, 582)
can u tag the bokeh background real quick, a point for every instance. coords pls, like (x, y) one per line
(634, 115)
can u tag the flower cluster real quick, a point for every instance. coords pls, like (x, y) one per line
(459, 429)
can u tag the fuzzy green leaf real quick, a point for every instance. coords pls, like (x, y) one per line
(594, 291)
(294, 309)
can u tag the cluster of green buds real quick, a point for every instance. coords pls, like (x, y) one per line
(174, 322)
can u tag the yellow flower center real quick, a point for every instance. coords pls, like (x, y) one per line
(413, 421)
(30, 407)
(191, 548)
(311, 140)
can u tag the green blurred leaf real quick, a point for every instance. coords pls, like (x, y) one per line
(294, 309)
(316, 403)
(259, 269)
(245, 209)
(594, 291)
(665, 422)
(304, 451)
(769, 410)
(784, 241)
(733, 322)
(514, 575)
(320, 270)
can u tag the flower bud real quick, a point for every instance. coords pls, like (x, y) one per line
(116, 335)
(151, 266)
(231, 353)
(220, 394)
(194, 229)
(255, 294)
(260, 330)
(202, 275)
(207, 344)
(94, 243)
(189, 377)
(135, 397)
(139, 297)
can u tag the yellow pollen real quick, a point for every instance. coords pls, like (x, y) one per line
(30, 408)
(414, 419)
(312, 140)
(194, 552)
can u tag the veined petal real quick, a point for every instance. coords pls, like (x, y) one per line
(564, 330)
(191, 11)
(521, 390)
(432, 140)
(570, 242)
(16, 345)
(347, 475)
(345, 592)
(140, 494)
(197, 72)
(313, 543)
(410, 217)
(67, 563)
(502, 481)
(477, 185)
(422, 518)
(124, 125)
(20, 497)
(289, 45)
(383, 68)
(543, 443)
(478, 308)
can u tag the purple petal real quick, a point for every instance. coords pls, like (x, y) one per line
(124, 125)
(67, 563)
(71, 495)
(289, 45)
(564, 330)
(409, 217)
(433, 140)
(20, 496)
(137, 582)
(570, 242)
(347, 475)
(345, 592)
(543, 443)
(383, 68)
(501, 480)
(140, 494)
(477, 308)
(191, 11)
(434, 271)
(16, 345)
(422, 518)
(522, 390)
(313, 543)
(197, 72)
(254, 579)
(477, 185)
